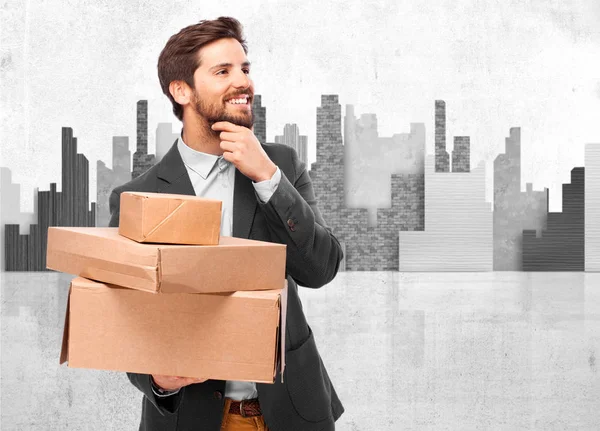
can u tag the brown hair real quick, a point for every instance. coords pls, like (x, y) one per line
(179, 58)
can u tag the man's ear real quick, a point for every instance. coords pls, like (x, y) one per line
(181, 92)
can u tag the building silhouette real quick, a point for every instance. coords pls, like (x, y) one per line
(458, 224)
(10, 209)
(370, 160)
(442, 159)
(292, 138)
(561, 246)
(165, 138)
(107, 179)
(142, 161)
(27, 252)
(461, 154)
(260, 119)
(458, 221)
(514, 210)
(592, 207)
(367, 248)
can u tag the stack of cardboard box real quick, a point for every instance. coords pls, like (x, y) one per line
(165, 294)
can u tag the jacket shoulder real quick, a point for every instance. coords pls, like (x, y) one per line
(278, 151)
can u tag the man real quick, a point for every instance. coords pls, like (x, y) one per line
(267, 195)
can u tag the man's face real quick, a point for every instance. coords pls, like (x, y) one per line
(224, 90)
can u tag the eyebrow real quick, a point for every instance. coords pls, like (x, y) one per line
(227, 65)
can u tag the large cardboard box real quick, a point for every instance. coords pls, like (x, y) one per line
(104, 255)
(234, 336)
(170, 219)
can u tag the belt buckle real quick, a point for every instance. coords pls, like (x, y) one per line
(242, 409)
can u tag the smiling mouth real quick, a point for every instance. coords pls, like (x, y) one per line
(240, 100)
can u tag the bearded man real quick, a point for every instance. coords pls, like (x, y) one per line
(267, 195)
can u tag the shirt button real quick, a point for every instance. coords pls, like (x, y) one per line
(218, 395)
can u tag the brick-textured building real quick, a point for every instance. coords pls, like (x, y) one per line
(370, 160)
(370, 248)
(442, 159)
(561, 247)
(514, 210)
(260, 119)
(461, 154)
(142, 161)
(592, 207)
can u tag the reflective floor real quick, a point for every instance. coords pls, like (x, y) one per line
(435, 351)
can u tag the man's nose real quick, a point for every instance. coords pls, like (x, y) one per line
(241, 80)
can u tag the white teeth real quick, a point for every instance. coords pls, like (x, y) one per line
(238, 101)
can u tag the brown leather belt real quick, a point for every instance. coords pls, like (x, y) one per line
(246, 408)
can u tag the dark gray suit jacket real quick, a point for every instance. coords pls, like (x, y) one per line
(306, 401)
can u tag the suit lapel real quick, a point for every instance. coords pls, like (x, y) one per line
(172, 174)
(173, 178)
(244, 205)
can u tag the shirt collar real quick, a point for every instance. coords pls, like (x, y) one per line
(199, 162)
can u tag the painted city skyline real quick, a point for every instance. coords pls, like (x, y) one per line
(392, 206)
(483, 59)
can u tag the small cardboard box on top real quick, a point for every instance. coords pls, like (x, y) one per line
(233, 336)
(102, 254)
(170, 219)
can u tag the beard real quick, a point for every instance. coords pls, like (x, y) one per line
(213, 113)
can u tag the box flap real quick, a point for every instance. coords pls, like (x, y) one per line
(64, 351)
(102, 254)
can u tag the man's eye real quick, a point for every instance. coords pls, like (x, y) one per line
(247, 71)
(221, 71)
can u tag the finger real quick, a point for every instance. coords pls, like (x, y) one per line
(161, 377)
(230, 136)
(226, 126)
(190, 381)
(229, 156)
(228, 146)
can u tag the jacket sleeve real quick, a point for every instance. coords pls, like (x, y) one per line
(165, 405)
(313, 252)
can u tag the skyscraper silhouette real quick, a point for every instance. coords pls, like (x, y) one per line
(66, 208)
(461, 154)
(592, 207)
(292, 138)
(142, 161)
(370, 161)
(107, 179)
(260, 119)
(165, 138)
(458, 232)
(561, 246)
(10, 209)
(367, 248)
(514, 210)
(442, 159)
